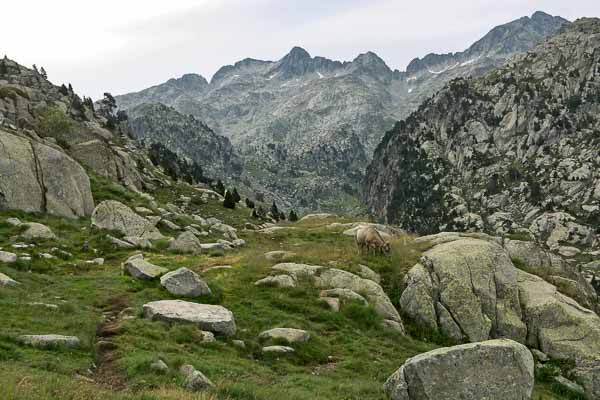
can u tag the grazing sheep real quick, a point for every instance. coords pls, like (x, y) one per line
(369, 238)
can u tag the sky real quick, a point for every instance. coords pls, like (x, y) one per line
(121, 46)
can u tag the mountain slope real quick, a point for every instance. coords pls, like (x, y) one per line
(306, 127)
(157, 123)
(509, 146)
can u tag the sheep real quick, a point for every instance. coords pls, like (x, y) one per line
(369, 238)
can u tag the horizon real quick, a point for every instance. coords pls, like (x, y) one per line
(126, 54)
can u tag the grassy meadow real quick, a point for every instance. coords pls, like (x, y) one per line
(348, 355)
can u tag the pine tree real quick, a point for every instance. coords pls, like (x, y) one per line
(43, 72)
(249, 203)
(293, 217)
(64, 91)
(35, 68)
(70, 88)
(282, 216)
(275, 212)
(229, 202)
(220, 188)
(236, 195)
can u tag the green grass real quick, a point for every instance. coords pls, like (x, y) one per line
(347, 357)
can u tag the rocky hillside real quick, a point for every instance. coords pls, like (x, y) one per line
(515, 151)
(60, 123)
(306, 127)
(427, 75)
(190, 138)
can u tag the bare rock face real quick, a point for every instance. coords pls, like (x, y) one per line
(501, 149)
(568, 278)
(208, 317)
(184, 282)
(35, 177)
(495, 369)
(466, 288)
(562, 329)
(116, 216)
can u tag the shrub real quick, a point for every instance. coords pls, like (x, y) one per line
(53, 122)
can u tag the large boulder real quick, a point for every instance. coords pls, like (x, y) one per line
(7, 257)
(115, 216)
(35, 177)
(186, 242)
(495, 369)
(466, 288)
(6, 280)
(208, 317)
(184, 282)
(142, 269)
(37, 231)
(561, 328)
(335, 278)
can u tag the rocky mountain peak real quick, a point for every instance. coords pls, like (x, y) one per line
(297, 62)
(499, 43)
(189, 82)
(371, 64)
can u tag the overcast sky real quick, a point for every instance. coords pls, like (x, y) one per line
(127, 45)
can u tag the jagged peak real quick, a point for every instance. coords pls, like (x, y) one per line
(501, 41)
(369, 58)
(297, 53)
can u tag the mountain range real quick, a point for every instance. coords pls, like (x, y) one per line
(305, 127)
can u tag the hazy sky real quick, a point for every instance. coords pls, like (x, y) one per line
(126, 45)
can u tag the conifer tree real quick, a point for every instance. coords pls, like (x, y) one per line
(249, 203)
(275, 212)
(3, 68)
(229, 202)
(220, 188)
(43, 73)
(293, 217)
(282, 216)
(236, 195)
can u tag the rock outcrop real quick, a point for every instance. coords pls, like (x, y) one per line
(562, 329)
(208, 317)
(115, 216)
(184, 282)
(495, 369)
(37, 177)
(467, 289)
